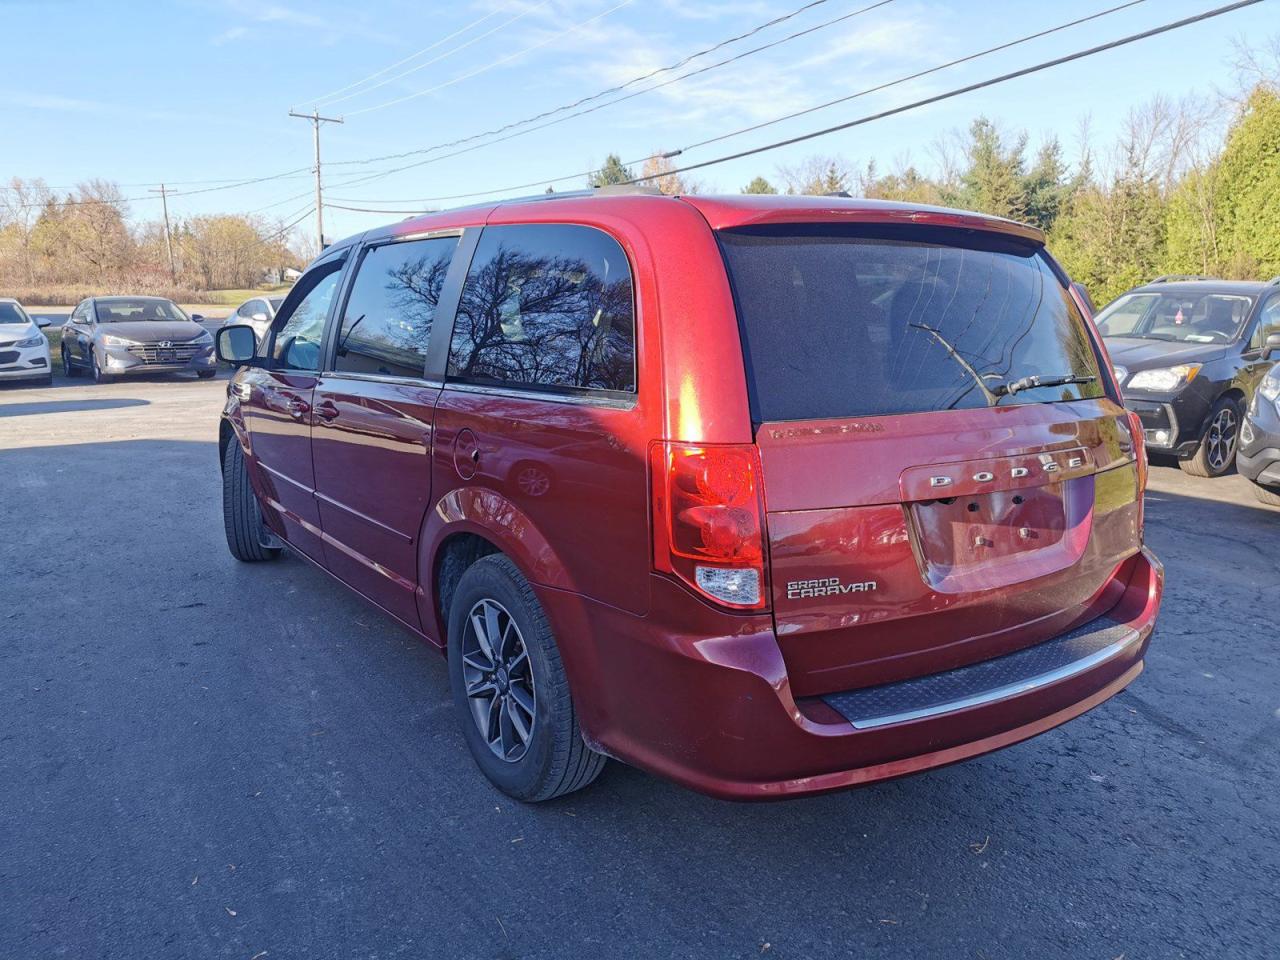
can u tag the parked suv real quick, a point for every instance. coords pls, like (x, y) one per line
(767, 495)
(1190, 352)
(1259, 456)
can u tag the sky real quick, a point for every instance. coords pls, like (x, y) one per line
(196, 91)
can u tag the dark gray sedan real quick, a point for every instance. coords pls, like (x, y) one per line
(116, 336)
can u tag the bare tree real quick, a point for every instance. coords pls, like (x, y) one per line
(21, 204)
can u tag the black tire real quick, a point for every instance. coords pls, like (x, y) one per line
(248, 538)
(206, 374)
(1216, 454)
(554, 759)
(100, 376)
(47, 381)
(1266, 495)
(69, 369)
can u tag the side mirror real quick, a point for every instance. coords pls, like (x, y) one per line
(43, 322)
(236, 343)
(196, 317)
(259, 317)
(1270, 346)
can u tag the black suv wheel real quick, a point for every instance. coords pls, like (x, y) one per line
(1216, 454)
(510, 689)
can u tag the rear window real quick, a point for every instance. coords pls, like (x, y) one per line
(842, 321)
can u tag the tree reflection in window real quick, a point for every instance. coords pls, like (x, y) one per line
(546, 305)
(387, 321)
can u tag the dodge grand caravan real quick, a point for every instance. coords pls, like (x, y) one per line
(766, 495)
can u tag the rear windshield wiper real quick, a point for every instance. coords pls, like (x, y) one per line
(1033, 381)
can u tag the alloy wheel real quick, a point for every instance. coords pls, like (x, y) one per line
(499, 680)
(1221, 439)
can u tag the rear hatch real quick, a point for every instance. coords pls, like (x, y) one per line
(930, 502)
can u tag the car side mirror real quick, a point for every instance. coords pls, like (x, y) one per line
(196, 317)
(259, 317)
(1270, 346)
(43, 322)
(236, 343)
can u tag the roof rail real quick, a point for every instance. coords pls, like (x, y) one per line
(1174, 277)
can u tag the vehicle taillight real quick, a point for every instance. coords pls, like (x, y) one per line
(708, 520)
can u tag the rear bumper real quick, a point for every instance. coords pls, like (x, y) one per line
(712, 709)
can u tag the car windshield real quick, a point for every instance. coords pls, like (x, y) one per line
(1184, 317)
(126, 310)
(842, 321)
(12, 313)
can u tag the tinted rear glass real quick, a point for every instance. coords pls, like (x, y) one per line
(546, 306)
(842, 321)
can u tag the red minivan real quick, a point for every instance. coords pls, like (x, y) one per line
(767, 495)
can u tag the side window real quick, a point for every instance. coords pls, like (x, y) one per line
(387, 320)
(1268, 322)
(549, 306)
(299, 332)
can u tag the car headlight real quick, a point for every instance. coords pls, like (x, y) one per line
(205, 337)
(1122, 373)
(110, 340)
(31, 341)
(1270, 386)
(1165, 379)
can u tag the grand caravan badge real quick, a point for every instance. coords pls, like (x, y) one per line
(826, 587)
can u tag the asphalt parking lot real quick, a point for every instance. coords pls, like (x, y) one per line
(205, 759)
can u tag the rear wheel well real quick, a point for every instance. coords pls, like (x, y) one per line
(456, 554)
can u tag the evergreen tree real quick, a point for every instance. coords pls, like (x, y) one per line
(759, 185)
(993, 182)
(613, 171)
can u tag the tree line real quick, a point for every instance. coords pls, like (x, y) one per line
(59, 247)
(1189, 186)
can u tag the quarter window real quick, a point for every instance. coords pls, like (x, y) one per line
(387, 321)
(546, 306)
(1268, 322)
(299, 333)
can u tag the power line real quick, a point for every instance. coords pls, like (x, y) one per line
(789, 116)
(970, 88)
(437, 59)
(496, 63)
(413, 56)
(316, 120)
(579, 113)
(596, 96)
(69, 202)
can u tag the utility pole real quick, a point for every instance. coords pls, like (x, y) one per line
(316, 120)
(168, 239)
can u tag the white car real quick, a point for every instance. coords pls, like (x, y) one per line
(257, 313)
(24, 350)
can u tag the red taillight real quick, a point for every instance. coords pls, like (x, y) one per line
(708, 520)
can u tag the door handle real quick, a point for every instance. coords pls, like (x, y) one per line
(326, 410)
(298, 408)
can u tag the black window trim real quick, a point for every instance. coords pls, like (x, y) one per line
(582, 396)
(445, 309)
(333, 261)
